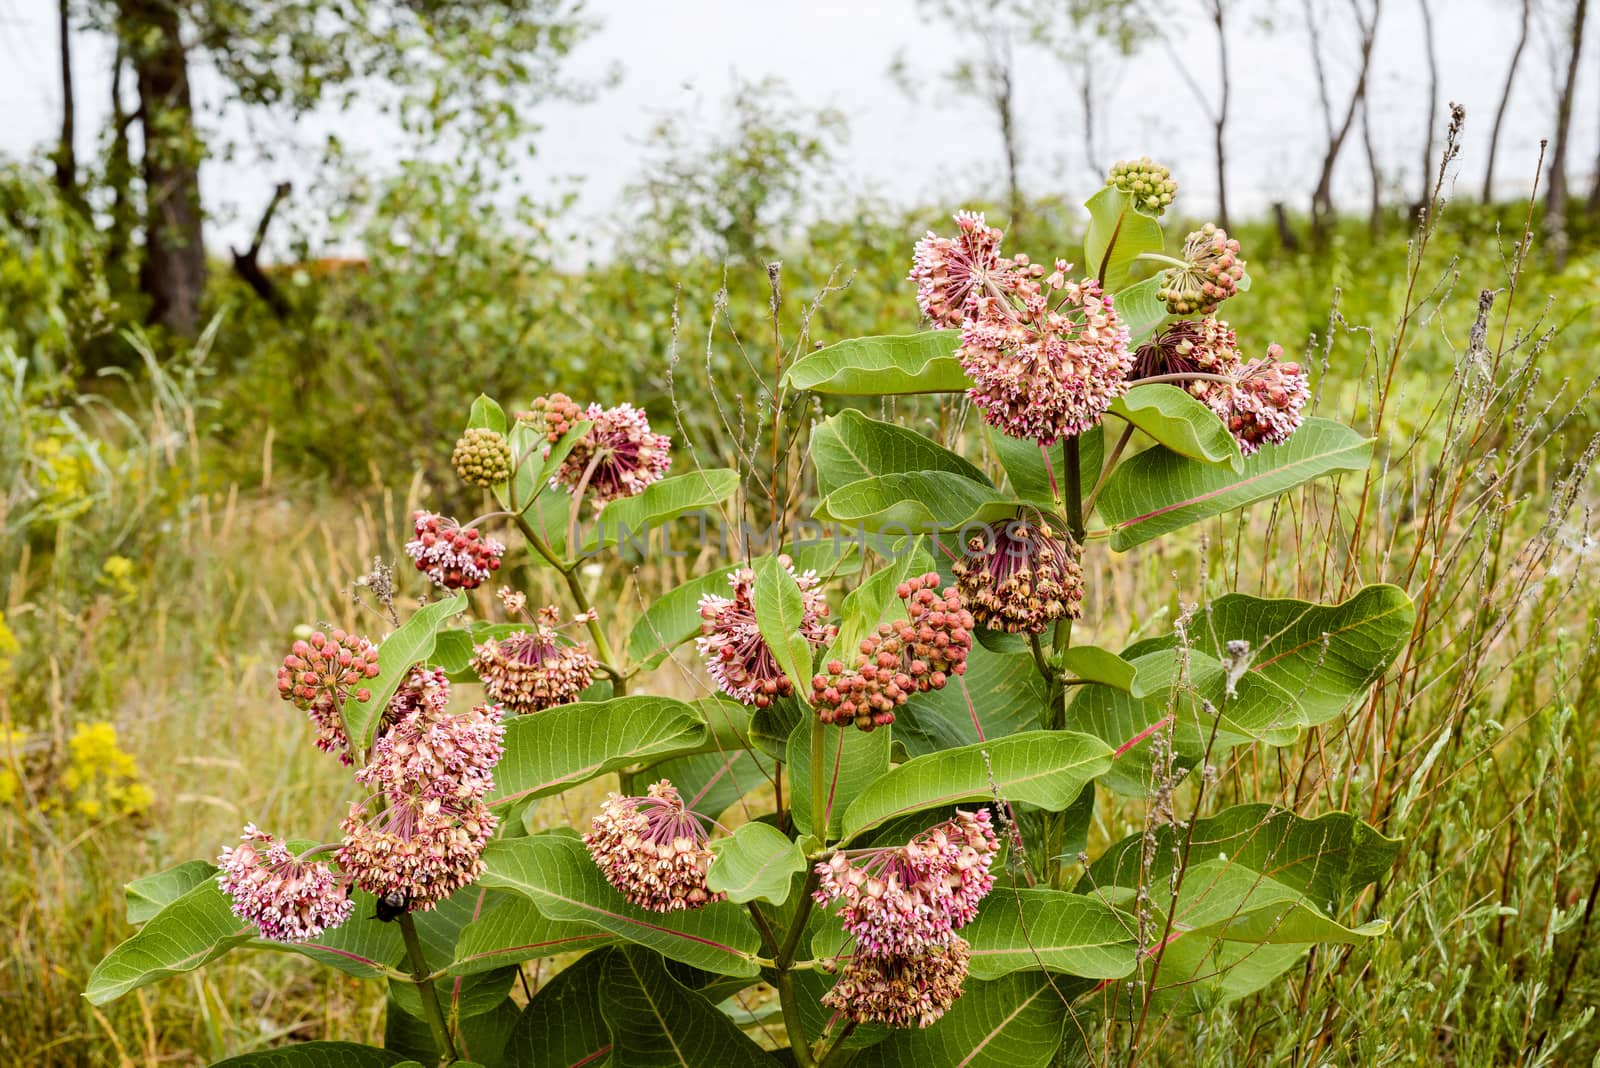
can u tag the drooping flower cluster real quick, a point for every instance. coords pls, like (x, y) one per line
(1261, 401)
(1151, 185)
(618, 457)
(289, 899)
(1211, 273)
(420, 838)
(453, 558)
(1047, 354)
(482, 457)
(736, 654)
(1021, 576)
(903, 906)
(901, 658)
(534, 669)
(652, 849)
(320, 674)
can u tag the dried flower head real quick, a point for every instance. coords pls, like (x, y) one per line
(451, 557)
(482, 457)
(533, 669)
(652, 849)
(428, 752)
(1048, 357)
(288, 899)
(900, 658)
(905, 899)
(1021, 576)
(320, 674)
(950, 272)
(730, 640)
(1211, 273)
(418, 849)
(1151, 185)
(901, 991)
(619, 456)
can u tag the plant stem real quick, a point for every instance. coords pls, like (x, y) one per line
(426, 991)
(1074, 484)
(1158, 257)
(838, 1043)
(597, 634)
(791, 1019)
(1105, 472)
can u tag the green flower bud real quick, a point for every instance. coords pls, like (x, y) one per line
(482, 457)
(1150, 185)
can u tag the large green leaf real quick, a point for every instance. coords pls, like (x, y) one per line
(1035, 471)
(634, 519)
(1023, 929)
(851, 760)
(756, 862)
(193, 930)
(514, 930)
(1324, 656)
(849, 447)
(150, 894)
(1118, 232)
(548, 751)
(411, 644)
(317, 1055)
(656, 1021)
(1158, 491)
(1185, 426)
(877, 366)
(562, 1026)
(1094, 664)
(1258, 885)
(876, 600)
(363, 946)
(1015, 1022)
(1140, 309)
(556, 873)
(1001, 694)
(916, 502)
(779, 609)
(1043, 768)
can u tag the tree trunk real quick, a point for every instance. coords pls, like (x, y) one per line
(1221, 123)
(1505, 99)
(1375, 204)
(66, 158)
(119, 178)
(173, 273)
(1425, 183)
(1322, 198)
(1555, 210)
(1008, 134)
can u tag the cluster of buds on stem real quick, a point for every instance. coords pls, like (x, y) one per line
(618, 456)
(323, 672)
(901, 658)
(1150, 185)
(735, 652)
(534, 669)
(451, 557)
(1210, 274)
(652, 849)
(482, 457)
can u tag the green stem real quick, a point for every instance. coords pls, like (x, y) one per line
(1074, 483)
(426, 991)
(597, 634)
(1158, 257)
(1105, 472)
(784, 981)
(837, 1044)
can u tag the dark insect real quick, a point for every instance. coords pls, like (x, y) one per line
(392, 906)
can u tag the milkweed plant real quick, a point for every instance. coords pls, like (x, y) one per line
(865, 832)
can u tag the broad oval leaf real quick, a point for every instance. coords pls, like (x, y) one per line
(922, 502)
(779, 609)
(656, 1021)
(1023, 929)
(1184, 425)
(562, 1026)
(193, 930)
(514, 930)
(555, 872)
(1158, 491)
(881, 366)
(1118, 232)
(318, 1055)
(1094, 664)
(1140, 309)
(150, 894)
(634, 519)
(851, 761)
(411, 644)
(1043, 768)
(1001, 694)
(363, 946)
(1035, 471)
(1015, 1022)
(849, 447)
(548, 751)
(756, 862)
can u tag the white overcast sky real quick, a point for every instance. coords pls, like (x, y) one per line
(684, 55)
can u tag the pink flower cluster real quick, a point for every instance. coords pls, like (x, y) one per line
(1047, 354)
(1211, 273)
(453, 558)
(1262, 401)
(618, 457)
(421, 836)
(1021, 575)
(320, 674)
(736, 654)
(903, 906)
(914, 655)
(533, 669)
(289, 899)
(652, 849)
